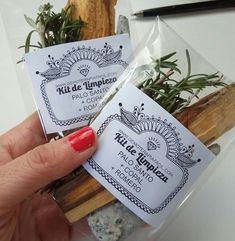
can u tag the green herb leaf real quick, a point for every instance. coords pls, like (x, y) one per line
(189, 63)
(27, 42)
(53, 28)
(30, 22)
(167, 91)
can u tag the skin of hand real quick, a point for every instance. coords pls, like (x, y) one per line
(28, 163)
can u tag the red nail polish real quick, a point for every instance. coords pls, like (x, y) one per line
(82, 139)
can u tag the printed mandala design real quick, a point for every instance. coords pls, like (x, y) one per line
(102, 58)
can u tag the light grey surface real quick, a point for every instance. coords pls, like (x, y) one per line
(210, 213)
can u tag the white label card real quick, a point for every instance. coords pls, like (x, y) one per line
(146, 158)
(69, 80)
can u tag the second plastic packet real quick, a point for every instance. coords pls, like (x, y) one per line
(129, 161)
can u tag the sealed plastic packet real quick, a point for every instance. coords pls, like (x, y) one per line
(53, 34)
(160, 129)
(69, 78)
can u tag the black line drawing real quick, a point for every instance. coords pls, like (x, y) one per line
(153, 144)
(177, 153)
(62, 67)
(84, 69)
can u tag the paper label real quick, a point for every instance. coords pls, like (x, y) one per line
(146, 158)
(69, 80)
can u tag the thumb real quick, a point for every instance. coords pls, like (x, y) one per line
(44, 164)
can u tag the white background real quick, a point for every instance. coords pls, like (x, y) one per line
(210, 213)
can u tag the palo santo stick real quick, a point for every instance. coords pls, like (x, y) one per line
(212, 116)
(81, 195)
(98, 14)
(208, 119)
(110, 4)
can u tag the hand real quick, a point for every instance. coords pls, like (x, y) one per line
(28, 163)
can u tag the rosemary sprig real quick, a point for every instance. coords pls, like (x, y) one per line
(53, 28)
(168, 92)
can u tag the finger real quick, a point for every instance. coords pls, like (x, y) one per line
(50, 221)
(46, 163)
(21, 139)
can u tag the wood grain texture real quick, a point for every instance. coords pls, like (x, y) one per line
(211, 116)
(81, 196)
(98, 14)
(97, 201)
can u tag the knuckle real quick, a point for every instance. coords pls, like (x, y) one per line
(42, 160)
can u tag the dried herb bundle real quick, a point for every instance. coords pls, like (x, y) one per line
(167, 92)
(53, 28)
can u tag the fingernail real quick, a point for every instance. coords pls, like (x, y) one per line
(82, 139)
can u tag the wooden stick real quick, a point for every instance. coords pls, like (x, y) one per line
(98, 14)
(212, 116)
(81, 196)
